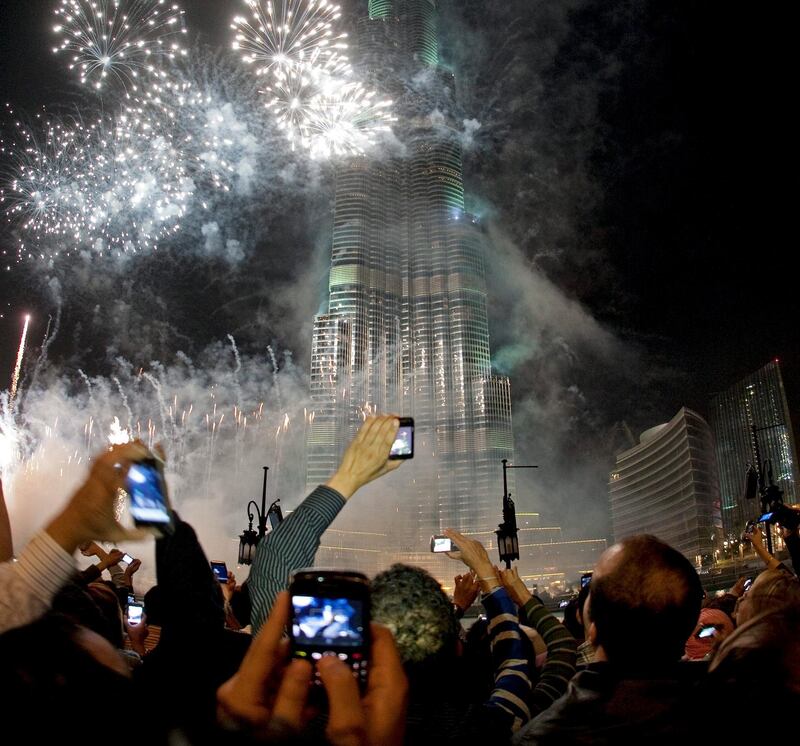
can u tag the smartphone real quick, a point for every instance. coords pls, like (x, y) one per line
(148, 500)
(765, 518)
(586, 578)
(135, 613)
(403, 446)
(330, 616)
(708, 631)
(747, 583)
(220, 570)
(442, 544)
(126, 558)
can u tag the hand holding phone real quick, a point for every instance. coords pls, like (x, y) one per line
(331, 617)
(146, 489)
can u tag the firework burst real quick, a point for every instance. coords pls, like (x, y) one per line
(345, 119)
(280, 35)
(125, 41)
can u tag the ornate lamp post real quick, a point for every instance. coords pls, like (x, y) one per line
(249, 539)
(507, 540)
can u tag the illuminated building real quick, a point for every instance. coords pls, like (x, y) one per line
(756, 401)
(668, 485)
(405, 329)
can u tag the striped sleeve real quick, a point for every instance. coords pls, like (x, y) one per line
(27, 587)
(290, 546)
(561, 654)
(512, 683)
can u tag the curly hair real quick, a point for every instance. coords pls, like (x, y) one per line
(412, 604)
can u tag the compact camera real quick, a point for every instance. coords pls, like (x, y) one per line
(331, 616)
(442, 544)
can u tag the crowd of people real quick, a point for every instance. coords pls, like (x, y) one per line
(643, 656)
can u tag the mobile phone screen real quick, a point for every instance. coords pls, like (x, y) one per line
(220, 571)
(403, 446)
(708, 631)
(134, 613)
(328, 622)
(586, 579)
(127, 559)
(145, 487)
(765, 517)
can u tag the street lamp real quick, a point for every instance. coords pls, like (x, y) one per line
(249, 539)
(507, 541)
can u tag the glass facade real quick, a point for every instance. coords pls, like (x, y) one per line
(758, 401)
(667, 485)
(406, 325)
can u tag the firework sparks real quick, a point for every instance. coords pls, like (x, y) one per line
(18, 365)
(108, 185)
(283, 34)
(345, 120)
(122, 40)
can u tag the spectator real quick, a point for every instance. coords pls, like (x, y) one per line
(294, 542)
(712, 627)
(771, 588)
(644, 601)
(27, 587)
(266, 699)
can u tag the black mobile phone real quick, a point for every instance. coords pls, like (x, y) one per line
(330, 616)
(126, 558)
(765, 518)
(747, 583)
(220, 570)
(149, 507)
(135, 613)
(442, 544)
(586, 578)
(403, 446)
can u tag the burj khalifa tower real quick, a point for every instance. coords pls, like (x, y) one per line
(405, 327)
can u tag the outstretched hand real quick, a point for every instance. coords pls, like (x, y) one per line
(367, 456)
(89, 515)
(472, 553)
(466, 590)
(515, 586)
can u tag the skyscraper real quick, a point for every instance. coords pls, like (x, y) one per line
(757, 401)
(405, 329)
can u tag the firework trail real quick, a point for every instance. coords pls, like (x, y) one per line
(18, 364)
(127, 41)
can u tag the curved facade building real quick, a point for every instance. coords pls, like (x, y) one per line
(668, 485)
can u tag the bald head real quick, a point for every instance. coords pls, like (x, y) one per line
(644, 601)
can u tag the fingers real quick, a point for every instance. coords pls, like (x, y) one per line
(346, 721)
(293, 693)
(264, 652)
(387, 691)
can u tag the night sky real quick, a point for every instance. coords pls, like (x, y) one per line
(635, 153)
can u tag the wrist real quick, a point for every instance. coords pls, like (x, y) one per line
(345, 486)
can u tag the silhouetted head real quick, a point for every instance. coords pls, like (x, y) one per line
(644, 602)
(412, 604)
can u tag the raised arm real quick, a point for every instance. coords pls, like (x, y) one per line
(294, 542)
(561, 645)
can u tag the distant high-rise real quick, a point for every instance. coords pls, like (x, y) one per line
(667, 485)
(758, 401)
(405, 328)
